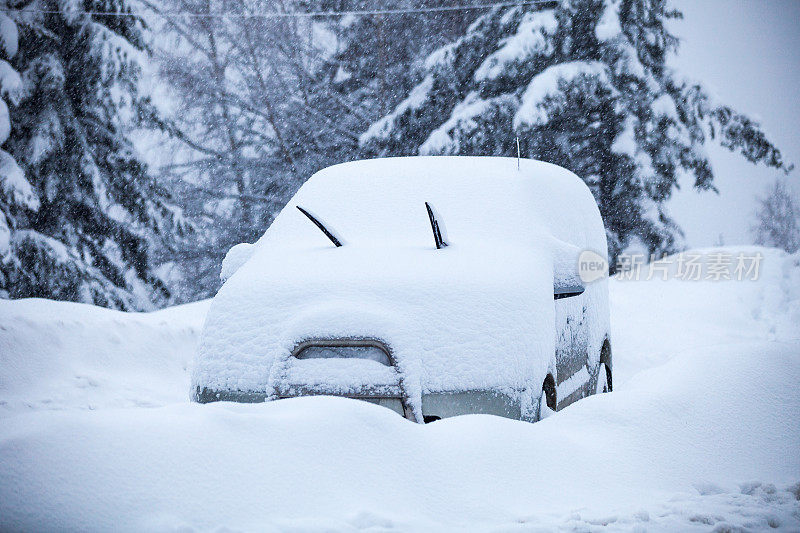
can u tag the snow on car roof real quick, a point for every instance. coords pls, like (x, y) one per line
(477, 198)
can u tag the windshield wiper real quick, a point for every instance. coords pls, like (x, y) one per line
(321, 226)
(436, 227)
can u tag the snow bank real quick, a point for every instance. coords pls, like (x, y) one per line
(683, 445)
(61, 355)
(701, 432)
(691, 314)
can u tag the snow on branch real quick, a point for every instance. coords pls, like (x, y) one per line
(547, 87)
(532, 38)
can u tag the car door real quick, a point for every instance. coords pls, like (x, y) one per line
(571, 349)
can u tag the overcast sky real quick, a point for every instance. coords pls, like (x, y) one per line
(747, 52)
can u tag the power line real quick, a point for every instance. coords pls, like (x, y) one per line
(279, 14)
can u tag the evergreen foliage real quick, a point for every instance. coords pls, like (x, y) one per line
(256, 104)
(87, 216)
(778, 219)
(584, 85)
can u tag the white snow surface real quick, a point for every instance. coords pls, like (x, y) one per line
(234, 259)
(5, 237)
(701, 432)
(10, 82)
(532, 38)
(9, 35)
(63, 355)
(476, 315)
(440, 141)
(609, 25)
(13, 184)
(5, 122)
(546, 86)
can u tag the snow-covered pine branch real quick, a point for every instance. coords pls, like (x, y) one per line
(87, 218)
(584, 85)
(17, 195)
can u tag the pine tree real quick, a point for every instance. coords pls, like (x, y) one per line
(584, 84)
(88, 229)
(16, 193)
(378, 53)
(778, 219)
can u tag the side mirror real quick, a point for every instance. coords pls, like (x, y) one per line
(235, 258)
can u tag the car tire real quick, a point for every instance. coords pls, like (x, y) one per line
(544, 409)
(547, 399)
(603, 379)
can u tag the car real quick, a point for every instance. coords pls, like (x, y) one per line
(433, 286)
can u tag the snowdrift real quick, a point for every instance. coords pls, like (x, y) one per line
(61, 355)
(701, 433)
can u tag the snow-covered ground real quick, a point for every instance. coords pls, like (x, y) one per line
(63, 355)
(701, 433)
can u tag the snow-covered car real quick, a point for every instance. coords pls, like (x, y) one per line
(357, 290)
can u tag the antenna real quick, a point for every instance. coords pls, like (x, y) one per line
(517, 152)
(437, 229)
(321, 226)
